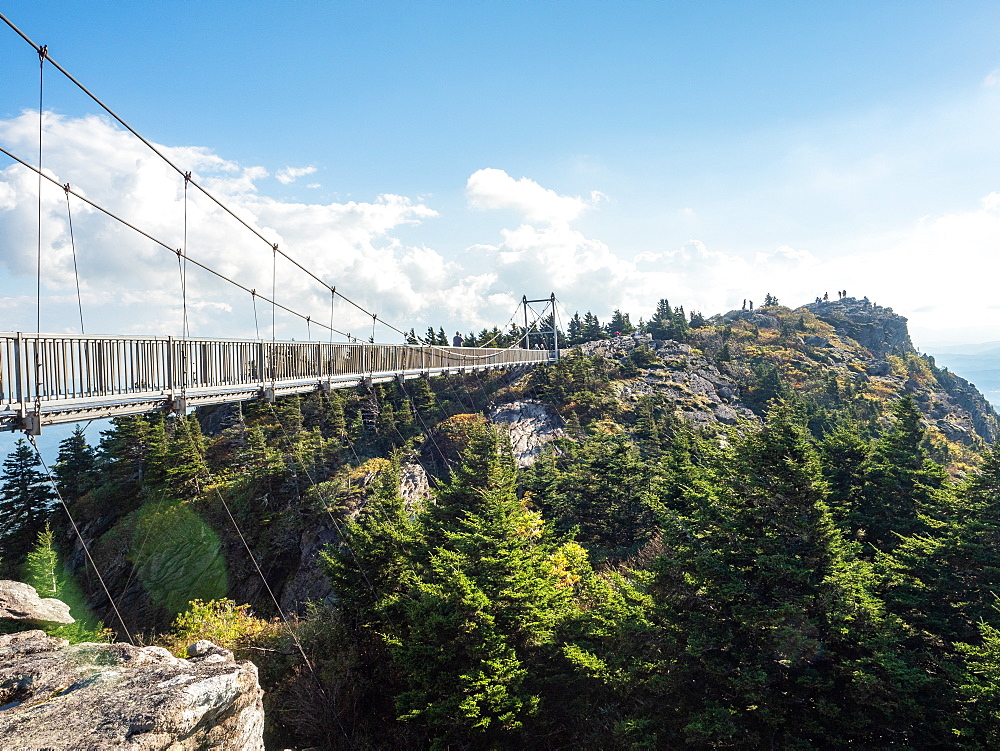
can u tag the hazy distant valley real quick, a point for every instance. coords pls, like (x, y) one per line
(978, 363)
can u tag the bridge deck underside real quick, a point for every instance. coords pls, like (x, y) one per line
(51, 379)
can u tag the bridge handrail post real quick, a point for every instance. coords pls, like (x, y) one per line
(21, 379)
(170, 365)
(260, 363)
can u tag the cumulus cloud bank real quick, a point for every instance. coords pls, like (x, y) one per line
(349, 244)
(495, 189)
(928, 270)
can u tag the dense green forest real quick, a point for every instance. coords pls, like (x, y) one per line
(820, 572)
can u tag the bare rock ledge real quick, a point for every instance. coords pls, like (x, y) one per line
(54, 696)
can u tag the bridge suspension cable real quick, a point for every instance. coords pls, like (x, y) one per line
(42, 53)
(76, 268)
(80, 538)
(273, 245)
(180, 253)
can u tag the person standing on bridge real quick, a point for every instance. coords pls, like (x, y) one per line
(457, 341)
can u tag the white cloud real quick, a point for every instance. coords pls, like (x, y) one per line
(788, 255)
(992, 78)
(495, 189)
(938, 270)
(289, 175)
(129, 281)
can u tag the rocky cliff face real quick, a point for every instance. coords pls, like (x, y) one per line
(951, 403)
(115, 696)
(878, 329)
(531, 425)
(851, 348)
(703, 394)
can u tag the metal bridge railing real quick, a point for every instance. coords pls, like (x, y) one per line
(59, 378)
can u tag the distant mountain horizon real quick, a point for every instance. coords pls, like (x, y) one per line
(974, 349)
(978, 363)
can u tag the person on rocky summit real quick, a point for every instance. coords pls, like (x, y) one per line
(457, 341)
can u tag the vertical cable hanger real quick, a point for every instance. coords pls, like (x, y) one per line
(180, 405)
(76, 270)
(185, 325)
(33, 422)
(260, 346)
(333, 300)
(274, 287)
(274, 298)
(43, 52)
(256, 324)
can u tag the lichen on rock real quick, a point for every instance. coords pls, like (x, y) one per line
(118, 696)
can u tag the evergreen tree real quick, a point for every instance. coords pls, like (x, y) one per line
(592, 329)
(661, 322)
(900, 482)
(373, 565)
(575, 330)
(944, 580)
(131, 449)
(470, 598)
(185, 468)
(619, 324)
(681, 328)
(770, 631)
(26, 501)
(43, 571)
(603, 490)
(980, 691)
(668, 323)
(481, 621)
(75, 469)
(334, 423)
(845, 453)
(41, 567)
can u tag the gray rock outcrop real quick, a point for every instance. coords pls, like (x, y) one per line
(531, 424)
(701, 393)
(310, 583)
(414, 485)
(20, 602)
(878, 329)
(55, 696)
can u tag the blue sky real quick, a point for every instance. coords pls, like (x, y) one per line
(439, 160)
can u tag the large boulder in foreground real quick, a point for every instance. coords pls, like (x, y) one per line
(20, 602)
(116, 696)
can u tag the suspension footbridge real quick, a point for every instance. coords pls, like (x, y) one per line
(48, 379)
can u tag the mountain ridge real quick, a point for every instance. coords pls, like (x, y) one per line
(845, 354)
